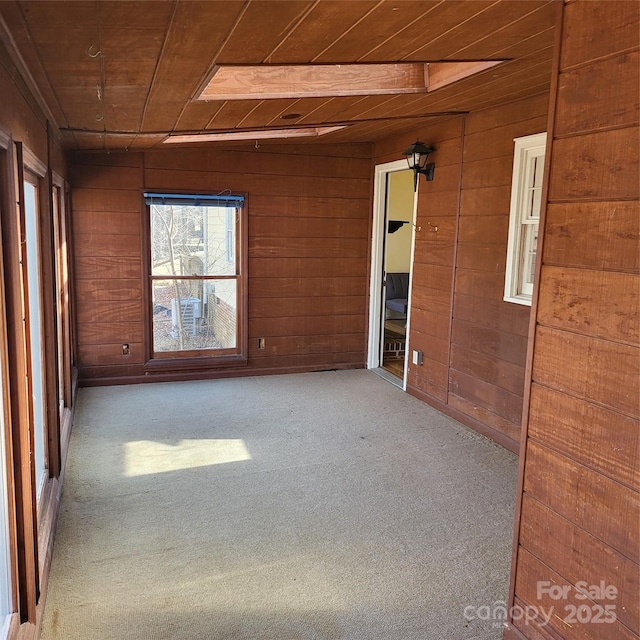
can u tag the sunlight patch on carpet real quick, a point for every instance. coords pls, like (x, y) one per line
(145, 457)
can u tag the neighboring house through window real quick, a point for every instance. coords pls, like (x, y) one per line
(524, 217)
(196, 278)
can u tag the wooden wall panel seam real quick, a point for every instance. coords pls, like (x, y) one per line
(616, 410)
(587, 63)
(577, 332)
(600, 632)
(605, 269)
(589, 199)
(305, 280)
(585, 490)
(470, 422)
(472, 117)
(582, 463)
(583, 132)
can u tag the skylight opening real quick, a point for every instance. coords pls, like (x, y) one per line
(261, 82)
(258, 134)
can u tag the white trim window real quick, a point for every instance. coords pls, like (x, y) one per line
(524, 217)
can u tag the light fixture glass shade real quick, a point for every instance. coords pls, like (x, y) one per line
(417, 155)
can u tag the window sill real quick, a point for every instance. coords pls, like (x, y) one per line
(523, 300)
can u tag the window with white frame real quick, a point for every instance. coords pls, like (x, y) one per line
(524, 217)
(197, 275)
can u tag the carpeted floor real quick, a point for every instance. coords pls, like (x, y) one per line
(323, 506)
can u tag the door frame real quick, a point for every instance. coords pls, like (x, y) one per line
(377, 263)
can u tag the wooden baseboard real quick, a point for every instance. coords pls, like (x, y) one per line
(184, 376)
(483, 429)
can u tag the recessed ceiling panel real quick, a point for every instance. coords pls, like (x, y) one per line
(261, 82)
(261, 134)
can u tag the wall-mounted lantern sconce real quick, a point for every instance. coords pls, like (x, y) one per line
(417, 155)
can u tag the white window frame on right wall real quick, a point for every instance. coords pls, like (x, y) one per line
(524, 217)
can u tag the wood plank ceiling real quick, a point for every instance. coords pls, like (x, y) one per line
(125, 74)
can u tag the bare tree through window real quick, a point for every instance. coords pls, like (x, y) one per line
(193, 277)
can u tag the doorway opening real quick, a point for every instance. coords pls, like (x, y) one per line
(392, 258)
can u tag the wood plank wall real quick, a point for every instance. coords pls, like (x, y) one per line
(489, 335)
(580, 485)
(309, 229)
(474, 343)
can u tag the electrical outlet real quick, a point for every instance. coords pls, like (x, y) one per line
(417, 357)
(126, 351)
(261, 342)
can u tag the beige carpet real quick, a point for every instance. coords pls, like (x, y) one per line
(325, 506)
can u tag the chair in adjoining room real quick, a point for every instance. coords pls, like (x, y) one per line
(397, 294)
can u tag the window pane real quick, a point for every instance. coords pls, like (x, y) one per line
(35, 330)
(530, 242)
(193, 241)
(194, 314)
(534, 188)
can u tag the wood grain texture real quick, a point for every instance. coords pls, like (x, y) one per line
(492, 314)
(290, 345)
(481, 284)
(532, 572)
(109, 333)
(436, 301)
(574, 363)
(307, 207)
(416, 382)
(303, 247)
(306, 325)
(100, 354)
(509, 112)
(489, 258)
(503, 374)
(432, 347)
(486, 201)
(489, 172)
(247, 182)
(92, 222)
(111, 201)
(308, 246)
(306, 287)
(604, 507)
(574, 233)
(600, 165)
(604, 94)
(580, 478)
(110, 311)
(601, 304)
(302, 227)
(487, 417)
(499, 140)
(106, 245)
(593, 31)
(503, 403)
(578, 556)
(485, 229)
(263, 161)
(321, 305)
(597, 437)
